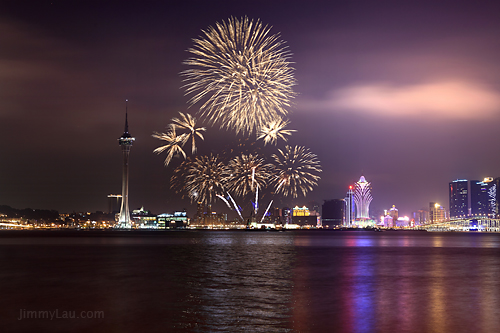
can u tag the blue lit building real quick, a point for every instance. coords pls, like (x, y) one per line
(459, 198)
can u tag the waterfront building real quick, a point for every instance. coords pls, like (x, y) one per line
(437, 213)
(388, 221)
(362, 198)
(303, 217)
(349, 207)
(286, 214)
(332, 213)
(394, 213)
(177, 220)
(493, 197)
(459, 198)
(125, 141)
(205, 217)
(421, 217)
(480, 201)
(143, 219)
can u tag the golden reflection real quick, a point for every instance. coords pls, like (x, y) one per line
(437, 292)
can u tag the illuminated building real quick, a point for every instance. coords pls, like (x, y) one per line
(302, 217)
(421, 217)
(205, 217)
(362, 198)
(332, 213)
(437, 213)
(173, 221)
(459, 198)
(349, 207)
(393, 212)
(143, 219)
(480, 200)
(125, 141)
(300, 211)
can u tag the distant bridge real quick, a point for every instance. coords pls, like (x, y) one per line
(477, 223)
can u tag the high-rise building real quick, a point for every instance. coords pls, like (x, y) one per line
(349, 207)
(459, 198)
(421, 217)
(332, 213)
(480, 204)
(394, 213)
(362, 198)
(437, 213)
(493, 197)
(125, 141)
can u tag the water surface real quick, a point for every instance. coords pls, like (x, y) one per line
(212, 281)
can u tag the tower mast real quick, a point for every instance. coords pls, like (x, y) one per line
(125, 141)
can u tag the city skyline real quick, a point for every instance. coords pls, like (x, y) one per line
(405, 94)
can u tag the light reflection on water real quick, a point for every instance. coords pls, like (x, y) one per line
(300, 281)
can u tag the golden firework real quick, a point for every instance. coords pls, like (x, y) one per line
(241, 75)
(272, 131)
(246, 173)
(201, 178)
(173, 146)
(296, 169)
(188, 122)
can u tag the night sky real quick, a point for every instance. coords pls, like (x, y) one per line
(406, 94)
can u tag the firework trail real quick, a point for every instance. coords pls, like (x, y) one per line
(296, 169)
(256, 200)
(269, 206)
(273, 131)
(240, 74)
(173, 146)
(224, 199)
(235, 206)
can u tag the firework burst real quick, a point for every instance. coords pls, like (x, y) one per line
(173, 146)
(246, 173)
(241, 75)
(188, 122)
(274, 130)
(202, 178)
(296, 169)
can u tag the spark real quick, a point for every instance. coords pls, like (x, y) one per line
(273, 130)
(240, 74)
(188, 122)
(296, 169)
(173, 146)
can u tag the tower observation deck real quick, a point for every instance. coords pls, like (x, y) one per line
(125, 141)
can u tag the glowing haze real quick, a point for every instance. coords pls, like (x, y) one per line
(446, 99)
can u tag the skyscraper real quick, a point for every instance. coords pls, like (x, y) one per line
(459, 198)
(362, 198)
(349, 208)
(481, 195)
(125, 141)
